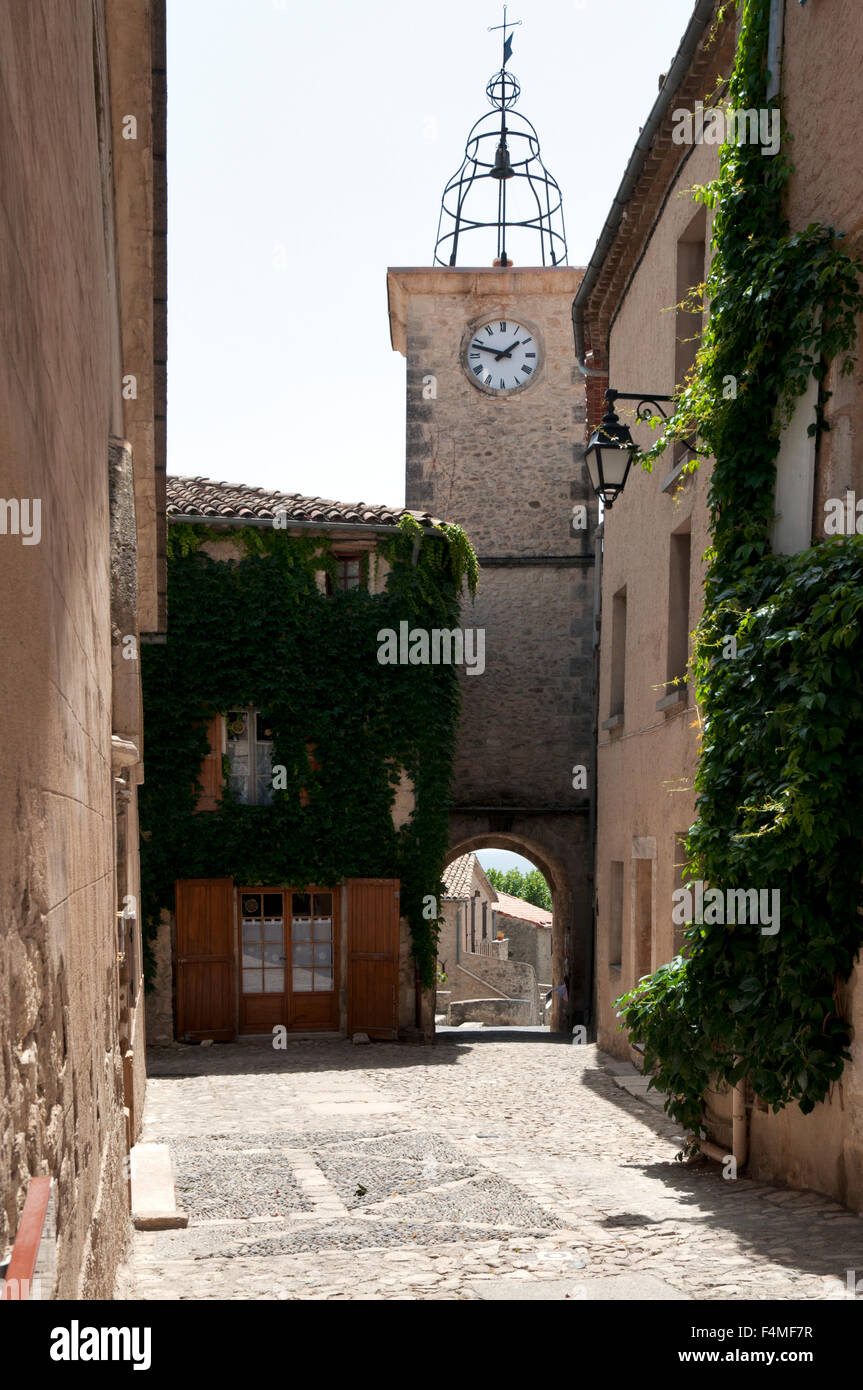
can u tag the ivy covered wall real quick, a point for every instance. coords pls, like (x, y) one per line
(777, 660)
(258, 631)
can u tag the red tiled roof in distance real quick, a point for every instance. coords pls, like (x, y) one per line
(508, 906)
(206, 498)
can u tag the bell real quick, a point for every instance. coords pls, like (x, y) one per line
(502, 169)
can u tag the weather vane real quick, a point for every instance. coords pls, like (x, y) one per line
(502, 188)
(507, 41)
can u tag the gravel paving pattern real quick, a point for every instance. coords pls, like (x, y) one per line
(215, 1178)
(486, 1200)
(361, 1180)
(366, 1236)
(518, 1163)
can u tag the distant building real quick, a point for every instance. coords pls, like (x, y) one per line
(479, 957)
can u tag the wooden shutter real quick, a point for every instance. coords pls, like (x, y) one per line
(373, 956)
(211, 768)
(205, 958)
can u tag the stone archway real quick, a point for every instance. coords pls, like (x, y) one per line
(557, 845)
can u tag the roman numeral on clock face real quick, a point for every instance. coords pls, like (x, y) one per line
(489, 330)
(503, 328)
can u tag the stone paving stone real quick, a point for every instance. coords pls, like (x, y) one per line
(514, 1163)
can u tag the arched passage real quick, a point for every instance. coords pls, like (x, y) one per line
(558, 852)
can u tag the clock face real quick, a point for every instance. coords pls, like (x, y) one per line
(501, 355)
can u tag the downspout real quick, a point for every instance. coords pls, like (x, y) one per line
(739, 1132)
(775, 42)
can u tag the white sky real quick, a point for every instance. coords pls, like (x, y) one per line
(323, 134)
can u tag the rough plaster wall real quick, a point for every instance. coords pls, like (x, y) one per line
(59, 1071)
(646, 770)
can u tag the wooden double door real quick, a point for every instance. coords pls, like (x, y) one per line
(254, 957)
(289, 959)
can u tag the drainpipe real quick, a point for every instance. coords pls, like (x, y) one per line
(739, 1131)
(775, 40)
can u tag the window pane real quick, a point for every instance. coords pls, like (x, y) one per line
(274, 982)
(240, 790)
(251, 930)
(302, 905)
(273, 905)
(252, 954)
(265, 791)
(323, 980)
(273, 929)
(303, 953)
(323, 929)
(264, 728)
(302, 981)
(251, 905)
(301, 929)
(238, 727)
(273, 953)
(323, 904)
(252, 982)
(323, 954)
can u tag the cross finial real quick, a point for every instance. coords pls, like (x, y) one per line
(507, 39)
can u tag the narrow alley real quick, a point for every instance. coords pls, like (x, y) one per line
(491, 1166)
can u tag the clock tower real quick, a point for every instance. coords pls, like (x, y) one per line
(495, 416)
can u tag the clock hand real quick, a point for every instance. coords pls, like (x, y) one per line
(507, 352)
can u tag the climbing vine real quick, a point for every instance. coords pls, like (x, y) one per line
(777, 657)
(258, 631)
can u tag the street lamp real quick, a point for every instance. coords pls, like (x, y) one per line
(609, 453)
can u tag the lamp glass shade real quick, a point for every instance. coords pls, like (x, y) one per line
(608, 457)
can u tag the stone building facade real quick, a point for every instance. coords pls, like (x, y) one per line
(208, 948)
(510, 469)
(653, 541)
(82, 412)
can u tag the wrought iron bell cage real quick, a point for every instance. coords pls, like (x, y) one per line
(503, 178)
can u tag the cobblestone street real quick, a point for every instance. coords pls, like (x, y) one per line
(489, 1166)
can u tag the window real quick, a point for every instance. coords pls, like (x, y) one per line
(678, 608)
(678, 867)
(267, 949)
(312, 942)
(643, 869)
(691, 251)
(250, 756)
(348, 574)
(795, 476)
(615, 928)
(618, 655)
(263, 943)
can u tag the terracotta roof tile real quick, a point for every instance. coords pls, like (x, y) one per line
(204, 497)
(508, 906)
